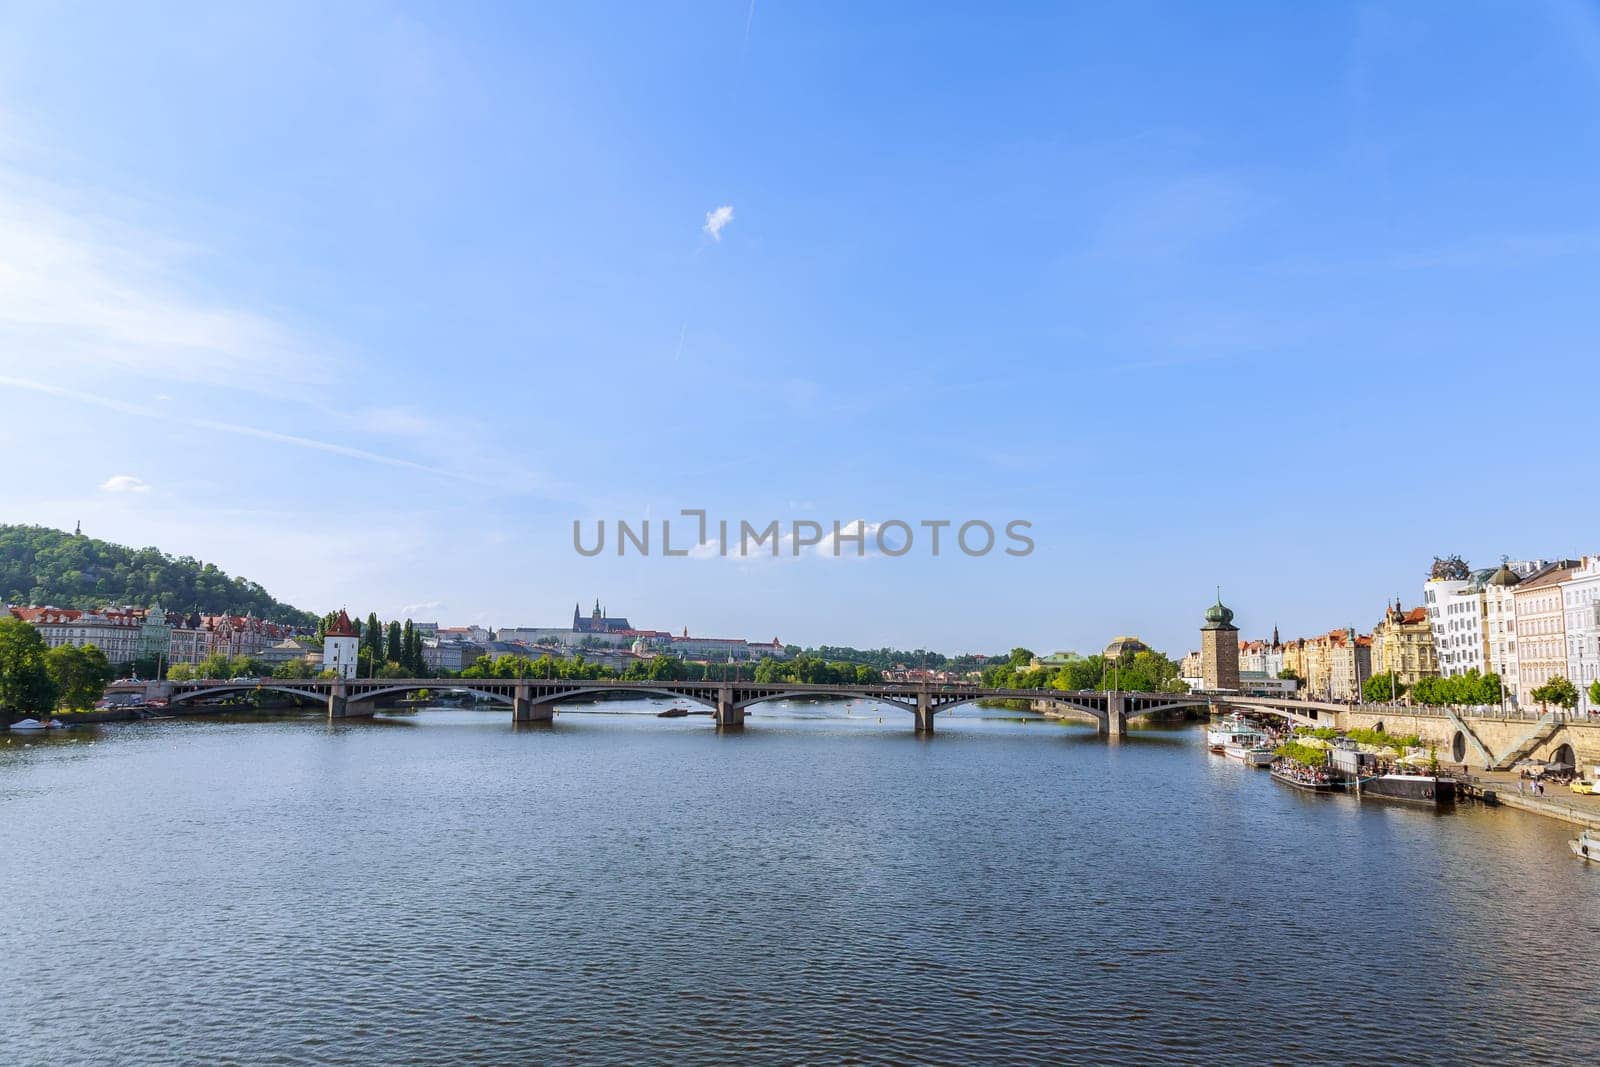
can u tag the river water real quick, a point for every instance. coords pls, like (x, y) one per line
(822, 887)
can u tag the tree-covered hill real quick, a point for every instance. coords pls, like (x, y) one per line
(43, 566)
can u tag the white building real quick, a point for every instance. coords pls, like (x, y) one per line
(341, 647)
(1580, 599)
(118, 632)
(1500, 626)
(1456, 616)
(1541, 628)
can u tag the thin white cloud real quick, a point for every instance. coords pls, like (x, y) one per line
(716, 220)
(125, 483)
(396, 421)
(79, 292)
(411, 611)
(239, 429)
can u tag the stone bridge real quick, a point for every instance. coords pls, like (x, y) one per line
(535, 700)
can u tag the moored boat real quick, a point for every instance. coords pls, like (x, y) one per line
(1235, 732)
(1587, 846)
(1250, 755)
(25, 725)
(1415, 788)
(1309, 779)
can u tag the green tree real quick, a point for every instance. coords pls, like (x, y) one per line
(396, 652)
(1382, 688)
(408, 649)
(25, 683)
(1594, 693)
(294, 668)
(181, 672)
(80, 675)
(372, 638)
(44, 566)
(1558, 691)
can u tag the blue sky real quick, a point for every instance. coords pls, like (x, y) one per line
(369, 303)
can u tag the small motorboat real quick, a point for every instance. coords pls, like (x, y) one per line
(35, 724)
(672, 713)
(1587, 846)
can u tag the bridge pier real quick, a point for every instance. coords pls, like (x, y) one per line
(924, 713)
(729, 712)
(1115, 724)
(341, 706)
(525, 709)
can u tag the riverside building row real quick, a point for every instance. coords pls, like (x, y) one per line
(1527, 621)
(127, 634)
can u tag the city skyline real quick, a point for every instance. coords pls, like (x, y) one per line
(1236, 298)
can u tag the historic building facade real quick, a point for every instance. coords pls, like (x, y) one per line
(1500, 626)
(1403, 644)
(1334, 665)
(1219, 649)
(341, 647)
(1580, 601)
(118, 632)
(1541, 628)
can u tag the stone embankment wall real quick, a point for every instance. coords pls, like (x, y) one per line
(1498, 735)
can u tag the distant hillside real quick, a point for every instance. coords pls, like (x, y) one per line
(43, 566)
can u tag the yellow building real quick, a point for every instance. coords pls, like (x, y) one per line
(1331, 666)
(1402, 643)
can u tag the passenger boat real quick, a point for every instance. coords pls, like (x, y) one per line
(1233, 731)
(1311, 780)
(672, 713)
(1587, 846)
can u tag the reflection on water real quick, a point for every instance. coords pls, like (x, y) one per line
(821, 886)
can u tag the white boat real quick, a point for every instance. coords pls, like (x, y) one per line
(1238, 738)
(1252, 755)
(1234, 731)
(35, 724)
(1587, 846)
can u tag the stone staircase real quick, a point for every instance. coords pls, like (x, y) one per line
(1547, 725)
(1460, 724)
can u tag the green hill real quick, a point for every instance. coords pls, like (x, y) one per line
(44, 566)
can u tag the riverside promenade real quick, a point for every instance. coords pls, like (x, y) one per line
(1558, 802)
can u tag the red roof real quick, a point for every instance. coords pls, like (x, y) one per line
(341, 627)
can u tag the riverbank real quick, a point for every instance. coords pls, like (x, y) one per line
(1499, 788)
(132, 712)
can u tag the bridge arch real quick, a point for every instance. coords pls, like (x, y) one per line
(1176, 705)
(241, 687)
(1097, 714)
(796, 694)
(619, 687)
(373, 694)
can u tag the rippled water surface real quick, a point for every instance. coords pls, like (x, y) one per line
(620, 889)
